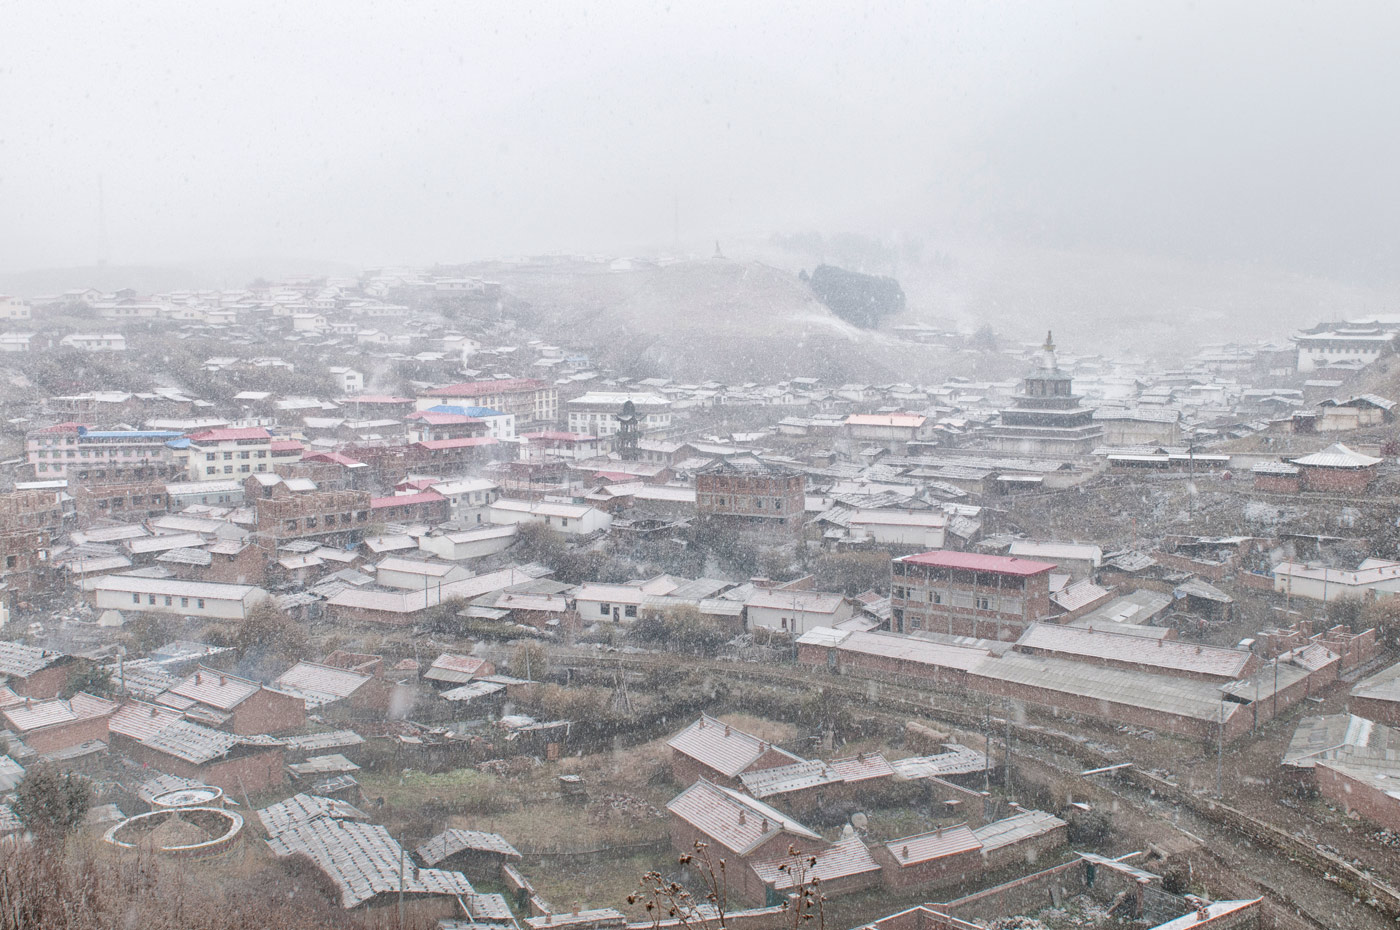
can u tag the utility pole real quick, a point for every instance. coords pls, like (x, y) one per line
(1220, 754)
(1007, 779)
(401, 857)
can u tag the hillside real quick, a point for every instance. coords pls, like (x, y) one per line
(728, 320)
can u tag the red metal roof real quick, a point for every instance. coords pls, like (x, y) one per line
(398, 500)
(220, 435)
(478, 388)
(976, 562)
(458, 443)
(286, 445)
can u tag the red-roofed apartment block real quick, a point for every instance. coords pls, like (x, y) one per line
(968, 594)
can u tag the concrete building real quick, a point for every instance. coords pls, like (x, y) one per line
(596, 412)
(129, 594)
(527, 399)
(795, 611)
(218, 454)
(95, 342)
(74, 449)
(469, 498)
(570, 519)
(967, 594)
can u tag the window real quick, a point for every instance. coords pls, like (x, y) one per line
(210, 457)
(184, 602)
(563, 521)
(984, 603)
(135, 598)
(11, 561)
(169, 601)
(605, 610)
(228, 469)
(935, 598)
(243, 468)
(212, 470)
(151, 599)
(201, 603)
(228, 456)
(630, 610)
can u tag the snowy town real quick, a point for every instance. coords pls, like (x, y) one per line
(380, 585)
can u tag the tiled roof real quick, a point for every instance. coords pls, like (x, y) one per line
(947, 841)
(847, 858)
(739, 822)
(450, 842)
(319, 685)
(719, 746)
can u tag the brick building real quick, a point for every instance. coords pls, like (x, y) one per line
(30, 523)
(52, 725)
(946, 856)
(38, 673)
(162, 739)
(968, 594)
(296, 508)
(127, 501)
(423, 507)
(748, 492)
(714, 750)
(236, 705)
(1337, 469)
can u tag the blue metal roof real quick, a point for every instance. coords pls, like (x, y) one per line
(466, 411)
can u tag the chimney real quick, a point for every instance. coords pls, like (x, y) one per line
(762, 746)
(153, 710)
(223, 680)
(726, 729)
(702, 722)
(765, 824)
(742, 819)
(939, 833)
(576, 909)
(1159, 642)
(904, 853)
(198, 678)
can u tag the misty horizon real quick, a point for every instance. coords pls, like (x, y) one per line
(369, 137)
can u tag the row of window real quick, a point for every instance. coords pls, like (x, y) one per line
(228, 456)
(606, 610)
(228, 469)
(313, 521)
(169, 601)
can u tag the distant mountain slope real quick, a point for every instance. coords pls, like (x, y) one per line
(728, 320)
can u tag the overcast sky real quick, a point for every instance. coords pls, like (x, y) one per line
(403, 132)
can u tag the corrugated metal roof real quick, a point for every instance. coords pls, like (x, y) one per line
(1016, 829)
(958, 760)
(20, 661)
(1171, 655)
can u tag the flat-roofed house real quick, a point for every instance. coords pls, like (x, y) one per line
(129, 593)
(795, 611)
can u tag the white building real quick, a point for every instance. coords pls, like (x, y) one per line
(12, 308)
(95, 342)
(1343, 347)
(795, 612)
(923, 529)
(129, 593)
(417, 574)
(595, 413)
(470, 498)
(469, 544)
(573, 519)
(348, 380)
(1376, 578)
(217, 454)
(15, 342)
